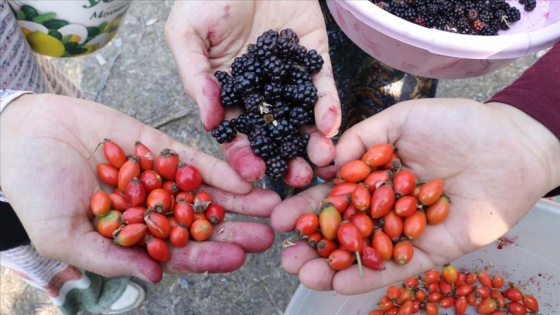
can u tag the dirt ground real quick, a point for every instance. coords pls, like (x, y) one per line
(136, 74)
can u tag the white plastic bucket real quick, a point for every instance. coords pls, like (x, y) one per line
(532, 262)
(438, 54)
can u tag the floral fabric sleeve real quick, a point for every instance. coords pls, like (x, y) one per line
(6, 96)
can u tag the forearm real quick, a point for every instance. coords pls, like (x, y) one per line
(12, 233)
(538, 144)
(537, 93)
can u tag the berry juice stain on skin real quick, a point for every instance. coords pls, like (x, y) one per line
(214, 25)
(211, 92)
(504, 241)
(211, 89)
(227, 10)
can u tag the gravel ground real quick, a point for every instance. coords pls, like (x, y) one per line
(136, 74)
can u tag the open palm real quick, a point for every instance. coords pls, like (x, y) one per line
(207, 36)
(496, 162)
(48, 174)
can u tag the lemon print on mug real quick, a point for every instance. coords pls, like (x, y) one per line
(40, 41)
(52, 35)
(45, 44)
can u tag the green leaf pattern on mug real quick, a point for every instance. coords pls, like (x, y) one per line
(55, 37)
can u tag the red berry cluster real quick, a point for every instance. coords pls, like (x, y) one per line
(155, 202)
(373, 211)
(458, 291)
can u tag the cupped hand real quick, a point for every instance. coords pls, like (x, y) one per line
(206, 36)
(496, 161)
(48, 174)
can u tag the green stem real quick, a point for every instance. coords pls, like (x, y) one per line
(360, 264)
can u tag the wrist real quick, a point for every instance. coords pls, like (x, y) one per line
(538, 142)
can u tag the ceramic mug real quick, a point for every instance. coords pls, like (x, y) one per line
(68, 28)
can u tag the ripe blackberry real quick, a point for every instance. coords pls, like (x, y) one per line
(261, 143)
(241, 125)
(435, 21)
(300, 76)
(445, 6)
(280, 129)
(273, 92)
(530, 5)
(513, 14)
(462, 25)
(409, 14)
(224, 132)
(223, 77)
(301, 141)
(245, 123)
(484, 17)
(273, 81)
(289, 150)
(282, 110)
(247, 83)
(298, 54)
(433, 8)
(459, 9)
(275, 69)
(313, 61)
(285, 50)
(304, 95)
(301, 115)
(276, 167)
(246, 63)
(421, 8)
(288, 35)
(253, 101)
(229, 95)
(238, 65)
(503, 5)
(397, 8)
(265, 45)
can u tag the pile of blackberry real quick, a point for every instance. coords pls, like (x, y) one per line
(272, 83)
(471, 17)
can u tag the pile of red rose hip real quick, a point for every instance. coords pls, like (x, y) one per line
(156, 201)
(459, 292)
(373, 211)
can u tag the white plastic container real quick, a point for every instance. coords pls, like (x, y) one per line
(439, 54)
(531, 261)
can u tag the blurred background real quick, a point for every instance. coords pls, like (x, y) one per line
(136, 74)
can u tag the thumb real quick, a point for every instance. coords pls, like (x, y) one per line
(189, 52)
(384, 127)
(100, 255)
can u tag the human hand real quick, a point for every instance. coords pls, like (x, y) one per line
(48, 175)
(207, 36)
(497, 162)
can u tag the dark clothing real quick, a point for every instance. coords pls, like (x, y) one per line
(12, 233)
